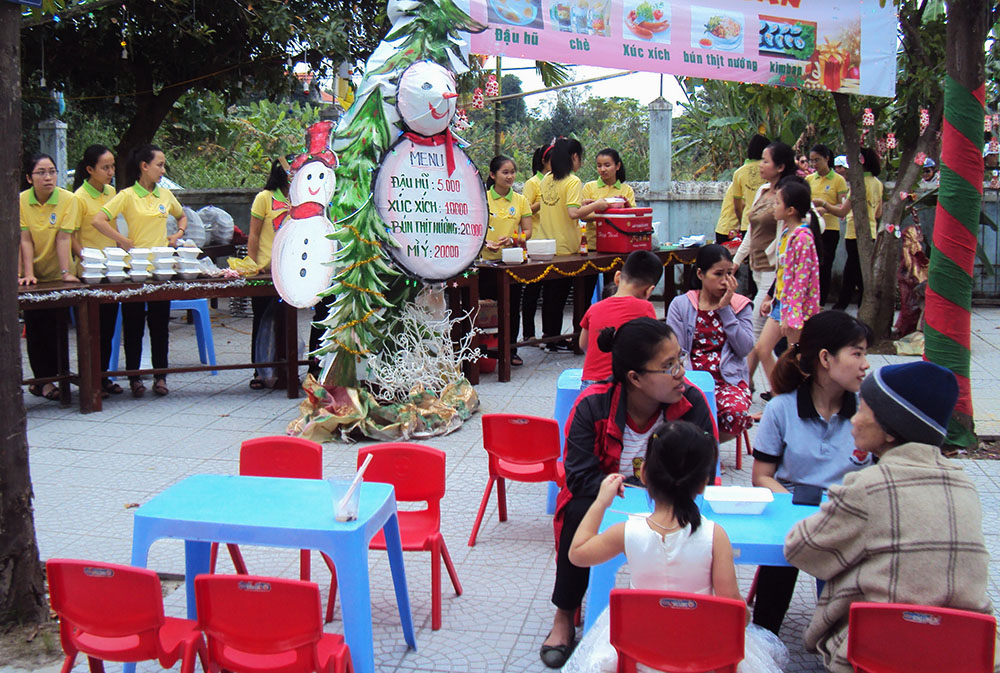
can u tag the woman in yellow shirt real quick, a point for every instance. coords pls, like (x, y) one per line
(873, 201)
(533, 193)
(611, 185)
(562, 208)
(828, 187)
(49, 215)
(92, 188)
(510, 222)
(145, 206)
(269, 206)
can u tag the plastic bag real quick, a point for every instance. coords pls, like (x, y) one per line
(195, 226)
(220, 225)
(245, 266)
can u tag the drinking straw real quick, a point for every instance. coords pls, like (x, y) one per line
(342, 504)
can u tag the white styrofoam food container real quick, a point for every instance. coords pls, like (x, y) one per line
(738, 499)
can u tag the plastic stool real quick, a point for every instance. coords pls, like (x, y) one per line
(567, 390)
(706, 384)
(202, 328)
(598, 289)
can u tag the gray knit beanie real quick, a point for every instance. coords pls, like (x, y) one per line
(913, 401)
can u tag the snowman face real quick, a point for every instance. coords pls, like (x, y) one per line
(314, 182)
(426, 97)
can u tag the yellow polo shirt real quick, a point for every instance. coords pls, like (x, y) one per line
(747, 180)
(554, 221)
(596, 189)
(533, 193)
(727, 216)
(264, 208)
(873, 197)
(145, 212)
(831, 188)
(91, 202)
(505, 218)
(44, 221)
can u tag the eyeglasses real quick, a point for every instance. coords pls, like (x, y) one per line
(676, 368)
(40, 174)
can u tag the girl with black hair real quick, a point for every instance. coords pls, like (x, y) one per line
(672, 549)
(49, 215)
(92, 188)
(777, 162)
(145, 205)
(510, 222)
(715, 325)
(609, 428)
(853, 279)
(269, 206)
(804, 436)
(610, 185)
(796, 285)
(540, 166)
(828, 188)
(562, 207)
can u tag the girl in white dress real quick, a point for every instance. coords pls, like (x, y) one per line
(672, 549)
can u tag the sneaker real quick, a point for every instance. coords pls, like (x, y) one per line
(559, 347)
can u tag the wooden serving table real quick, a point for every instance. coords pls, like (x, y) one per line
(85, 300)
(576, 267)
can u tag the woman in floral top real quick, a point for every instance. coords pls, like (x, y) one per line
(796, 285)
(715, 325)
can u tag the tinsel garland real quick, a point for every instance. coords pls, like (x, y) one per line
(118, 295)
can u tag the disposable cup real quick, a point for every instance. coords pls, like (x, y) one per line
(338, 487)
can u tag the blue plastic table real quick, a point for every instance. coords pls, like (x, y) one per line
(757, 539)
(293, 513)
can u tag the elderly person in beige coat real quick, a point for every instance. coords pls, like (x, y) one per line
(907, 530)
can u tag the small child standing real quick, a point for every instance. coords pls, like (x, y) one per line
(636, 280)
(671, 549)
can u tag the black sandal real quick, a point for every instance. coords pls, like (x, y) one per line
(257, 383)
(35, 389)
(54, 395)
(516, 360)
(160, 387)
(111, 388)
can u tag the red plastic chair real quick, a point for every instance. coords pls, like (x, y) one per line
(269, 624)
(112, 612)
(520, 448)
(417, 474)
(676, 632)
(291, 458)
(898, 637)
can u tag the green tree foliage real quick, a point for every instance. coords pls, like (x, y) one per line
(512, 111)
(175, 46)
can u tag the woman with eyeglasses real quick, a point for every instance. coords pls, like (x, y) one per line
(610, 426)
(49, 215)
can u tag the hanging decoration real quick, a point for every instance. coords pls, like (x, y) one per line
(890, 141)
(478, 101)
(925, 119)
(492, 86)
(868, 118)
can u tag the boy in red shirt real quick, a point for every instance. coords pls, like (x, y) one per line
(636, 281)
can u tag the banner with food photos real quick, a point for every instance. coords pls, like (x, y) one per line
(824, 45)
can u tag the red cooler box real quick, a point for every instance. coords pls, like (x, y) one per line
(625, 230)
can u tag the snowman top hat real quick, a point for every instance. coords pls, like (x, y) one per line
(319, 139)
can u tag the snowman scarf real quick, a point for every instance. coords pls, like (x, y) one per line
(445, 139)
(299, 212)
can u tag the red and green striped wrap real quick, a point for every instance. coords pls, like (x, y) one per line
(956, 227)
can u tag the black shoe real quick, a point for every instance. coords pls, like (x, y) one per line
(555, 656)
(766, 395)
(559, 347)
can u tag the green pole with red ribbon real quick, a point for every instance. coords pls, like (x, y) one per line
(956, 228)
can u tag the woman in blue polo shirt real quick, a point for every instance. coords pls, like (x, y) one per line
(805, 433)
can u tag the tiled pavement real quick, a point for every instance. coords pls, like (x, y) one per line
(89, 469)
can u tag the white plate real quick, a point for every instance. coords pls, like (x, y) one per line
(738, 499)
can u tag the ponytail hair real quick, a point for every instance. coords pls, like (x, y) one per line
(708, 256)
(91, 156)
(632, 345)
(680, 461)
(829, 331)
(870, 161)
(277, 179)
(560, 156)
(536, 160)
(616, 158)
(797, 194)
(496, 163)
(133, 167)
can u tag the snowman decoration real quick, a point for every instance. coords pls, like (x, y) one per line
(428, 192)
(302, 250)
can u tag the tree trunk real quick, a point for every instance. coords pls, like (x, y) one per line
(880, 258)
(151, 110)
(956, 220)
(22, 585)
